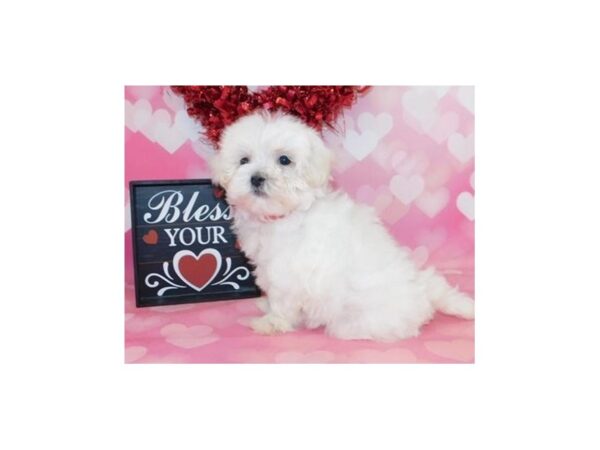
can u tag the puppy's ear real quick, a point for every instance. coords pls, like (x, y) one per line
(221, 171)
(318, 167)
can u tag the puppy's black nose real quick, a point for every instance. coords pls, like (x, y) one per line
(257, 180)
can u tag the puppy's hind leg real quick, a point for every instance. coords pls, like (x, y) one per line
(262, 303)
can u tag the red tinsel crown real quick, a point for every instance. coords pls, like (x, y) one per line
(216, 107)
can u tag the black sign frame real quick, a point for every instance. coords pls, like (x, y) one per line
(191, 294)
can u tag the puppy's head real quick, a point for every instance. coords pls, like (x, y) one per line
(271, 165)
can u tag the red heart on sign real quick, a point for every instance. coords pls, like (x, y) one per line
(197, 271)
(151, 237)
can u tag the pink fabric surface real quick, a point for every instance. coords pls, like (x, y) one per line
(407, 151)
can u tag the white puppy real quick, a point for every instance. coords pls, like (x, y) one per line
(321, 259)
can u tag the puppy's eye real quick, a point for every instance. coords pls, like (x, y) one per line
(244, 160)
(284, 160)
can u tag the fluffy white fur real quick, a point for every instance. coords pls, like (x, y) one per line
(321, 258)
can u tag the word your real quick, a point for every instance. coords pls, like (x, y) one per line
(169, 208)
(203, 235)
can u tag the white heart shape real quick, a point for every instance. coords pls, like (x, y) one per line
(381, 124)
(465, 202)
(182, 336)
(421, 105)
(134, 353)
(462, 148)
(386, 152)
(210, 251)
(142, 114)
(360, 145)
(187, 126)
(444, 127)
(456, 349)
(159, 124)
(431, 203)
(466, 97)
(407, 189)
(170, 139)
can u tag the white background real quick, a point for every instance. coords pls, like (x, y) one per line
(535, 382)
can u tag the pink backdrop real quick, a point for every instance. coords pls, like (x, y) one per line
(408, 151)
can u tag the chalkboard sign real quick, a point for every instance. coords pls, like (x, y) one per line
(183, 246)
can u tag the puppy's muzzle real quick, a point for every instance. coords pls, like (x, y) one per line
(258, 182)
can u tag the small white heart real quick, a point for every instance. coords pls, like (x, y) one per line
(187, 126)
(182, 336)
(421, 106)
(461, 147)
(431, 203)
(360, 145)
(465, 202)
(134, 353)
(444, 127)
(466, 97)
(159, 124)
(142, 114)
(407, 189)
(169, 138)
(381, 124)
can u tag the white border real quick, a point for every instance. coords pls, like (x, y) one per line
(535, 381)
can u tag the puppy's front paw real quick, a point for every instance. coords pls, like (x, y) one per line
(270, 324)
(263, 304)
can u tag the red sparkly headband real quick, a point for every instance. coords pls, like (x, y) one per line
(215, 107)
